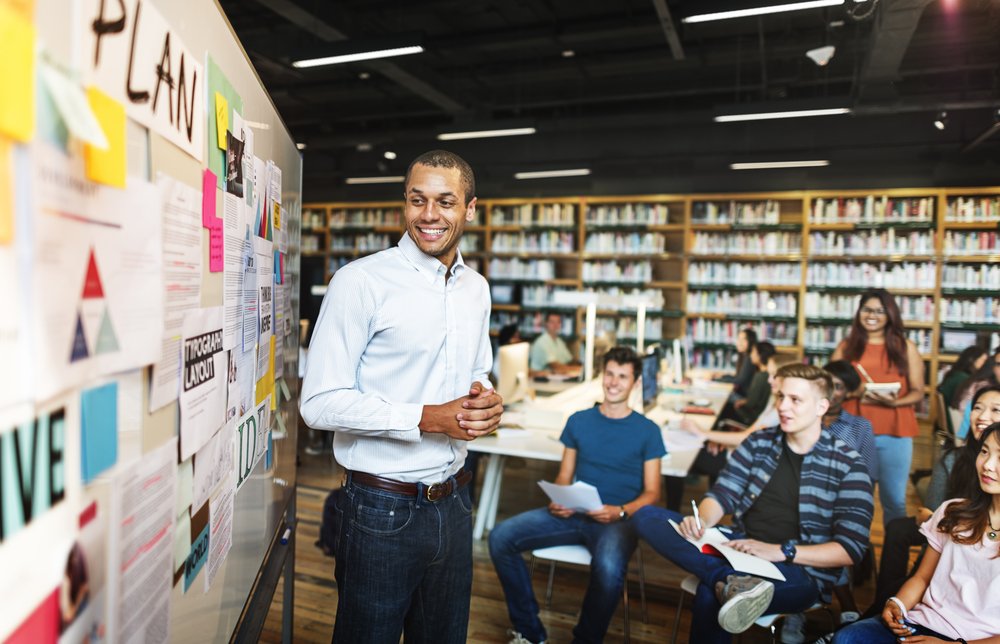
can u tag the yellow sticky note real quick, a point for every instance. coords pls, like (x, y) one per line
(221, 119)
(6, 194)
(107, 166)
(17, 69)
(270, 377)
(277, 215)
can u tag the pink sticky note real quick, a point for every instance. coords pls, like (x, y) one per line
(208, 190)
(215, 247)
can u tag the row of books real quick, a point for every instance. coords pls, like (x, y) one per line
(516, 268)
(625, 243)
(550, 241)
(980, 310)
(829, 305)
(607, 298)
(626, 328)
(369, 242)
(974, 242)
(872, 242)
(973, 209)
(639, 272)
(770, 243)
(629, 214)
(725, 331)
(723, 273)
(971, 276)
(313, 219)
(736, 212)
(529, 324)
(309, 244)
(907, 275)
(756, 303)
(470, 243)
(549, 214)
(716, 358)
(872, 209)
(366, 217)
(825, 338)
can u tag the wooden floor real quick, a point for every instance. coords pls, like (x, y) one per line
(316, 592)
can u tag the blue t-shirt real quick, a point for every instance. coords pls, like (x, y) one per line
(611, 451)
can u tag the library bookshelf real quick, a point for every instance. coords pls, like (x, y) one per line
(789, 264)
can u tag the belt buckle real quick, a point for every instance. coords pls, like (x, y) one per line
(437, 491)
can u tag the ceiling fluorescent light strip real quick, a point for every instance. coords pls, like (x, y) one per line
(760, 11)
(364, 55)
(354, 181)
(768, 165)
(788, 114)
(545, 174)
(485, 134)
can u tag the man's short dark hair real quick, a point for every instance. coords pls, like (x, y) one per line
(445, 159)
(623, 356)
(843, 371)
(507, 332)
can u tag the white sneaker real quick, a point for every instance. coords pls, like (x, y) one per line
(517, 638)
(744, 599)
(793, 629)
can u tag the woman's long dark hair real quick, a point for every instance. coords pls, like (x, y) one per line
(982, 378)
(965, 363)
(972, 514)
(751, 337)
(895, 332)
(962, 482)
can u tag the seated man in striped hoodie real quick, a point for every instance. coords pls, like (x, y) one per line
(799, 497)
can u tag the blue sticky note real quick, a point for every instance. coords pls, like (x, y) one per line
(196, 560)
(99, 429)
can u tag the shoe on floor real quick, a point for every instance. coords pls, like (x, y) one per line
(517, 638)
(744, 599)
(312, 450)
(793, 629)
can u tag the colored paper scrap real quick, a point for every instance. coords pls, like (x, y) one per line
(99, 430)
(216, 248)
(73, 107)
(17, 69)
(277, 214)
(221, 119)
(208, 199)
(108, 165)
(196, 560)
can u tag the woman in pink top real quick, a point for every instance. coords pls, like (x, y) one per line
(955, 594)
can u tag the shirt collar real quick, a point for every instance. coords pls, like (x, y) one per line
(431, 267)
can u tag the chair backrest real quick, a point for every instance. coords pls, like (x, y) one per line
(943, 419)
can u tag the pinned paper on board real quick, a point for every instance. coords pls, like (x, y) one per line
(107, 165)
(73, 106)
(99, 430)
(17, 69)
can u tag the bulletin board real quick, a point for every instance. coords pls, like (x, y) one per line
(149, 246)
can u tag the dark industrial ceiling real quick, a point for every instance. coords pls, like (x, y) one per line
(635, 99)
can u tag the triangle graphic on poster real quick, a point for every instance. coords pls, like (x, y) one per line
(79, 349)
(92, 283)
(106, 339)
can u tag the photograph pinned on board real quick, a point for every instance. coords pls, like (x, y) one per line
(234, 165)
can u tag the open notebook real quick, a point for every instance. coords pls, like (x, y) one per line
(713, 542)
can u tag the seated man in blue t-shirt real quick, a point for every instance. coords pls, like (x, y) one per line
(617, 451)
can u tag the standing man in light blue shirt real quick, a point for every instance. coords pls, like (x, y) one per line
(549, 351)
(398, 369)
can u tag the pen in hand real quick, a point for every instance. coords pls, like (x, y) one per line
(697, 517)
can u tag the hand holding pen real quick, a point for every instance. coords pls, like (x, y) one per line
(692, 527)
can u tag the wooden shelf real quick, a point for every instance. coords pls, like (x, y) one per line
(972, 225)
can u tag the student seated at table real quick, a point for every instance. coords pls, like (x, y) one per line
(712, 457)
(955, 594)
(616, 450)
(549, 352)
(746, 339)
(799, 497)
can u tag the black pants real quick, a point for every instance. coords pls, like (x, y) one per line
(900, 535)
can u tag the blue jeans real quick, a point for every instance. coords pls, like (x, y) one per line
(794, 595)
(874, 631)
(610, 546)
(894, 455)
(404, 565)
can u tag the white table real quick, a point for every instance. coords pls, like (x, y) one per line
(544, 445)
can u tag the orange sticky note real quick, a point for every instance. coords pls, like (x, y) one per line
(107, 166)
(17, 69)
(6, 193)
(221, 118)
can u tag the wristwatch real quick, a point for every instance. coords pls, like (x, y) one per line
(788, 549)
(623, 515)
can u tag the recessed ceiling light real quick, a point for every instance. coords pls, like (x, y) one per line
(353, 58)
(545, 174)
(389, 154)
(301, 146)
(787, 114)
(568, 53)
(485, 134)
(759, 11)
(768, 165)
(363, 147)
(366, 180)
(941, 122)
(364, 75)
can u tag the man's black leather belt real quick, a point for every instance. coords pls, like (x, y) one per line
(431, 493)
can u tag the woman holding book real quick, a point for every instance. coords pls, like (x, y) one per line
(885, 359)
(955, 594)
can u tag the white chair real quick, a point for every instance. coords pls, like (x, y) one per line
(580, 556)
(689, 585)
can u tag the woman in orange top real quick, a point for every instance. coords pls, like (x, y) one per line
(877, 347)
